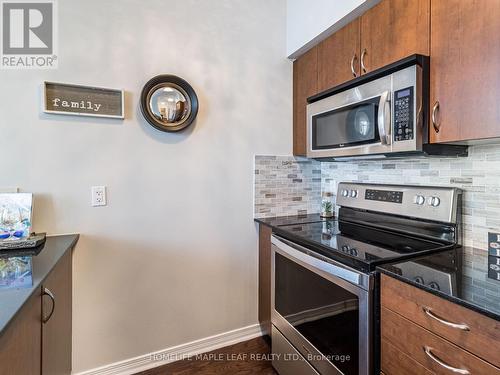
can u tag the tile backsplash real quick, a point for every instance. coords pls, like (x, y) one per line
(286, 185)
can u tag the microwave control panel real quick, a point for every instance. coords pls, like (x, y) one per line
(403, 114)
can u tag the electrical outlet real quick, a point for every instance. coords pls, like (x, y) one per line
(494, 244)
(98, 196)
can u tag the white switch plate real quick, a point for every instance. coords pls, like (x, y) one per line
(98, 196)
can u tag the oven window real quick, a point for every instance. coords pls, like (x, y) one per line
(347, 126)
(323, 312)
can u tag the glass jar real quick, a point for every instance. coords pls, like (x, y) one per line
(327, 206)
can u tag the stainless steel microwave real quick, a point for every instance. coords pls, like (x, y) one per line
(381, 114)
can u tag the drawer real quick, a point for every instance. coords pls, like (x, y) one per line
(287, 360)
(442, 357)
(395, 362)
(482, 338)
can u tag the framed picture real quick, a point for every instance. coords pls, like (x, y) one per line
(15, 215)
(78, 100)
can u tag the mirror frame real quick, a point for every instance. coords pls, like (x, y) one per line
(153, 85)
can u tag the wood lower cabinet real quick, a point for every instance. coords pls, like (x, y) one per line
(416, 342)
(305, 84)
(20, 344)
(432, 352)
(338, 57)
(38, 340)
(394, 29)
(56, 331)
(465, 74)
(395, 361)
(265, 277)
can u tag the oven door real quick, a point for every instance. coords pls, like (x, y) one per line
(323, 308)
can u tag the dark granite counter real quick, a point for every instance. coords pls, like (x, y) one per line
(466, 276)
(12, 300)
(280, 221)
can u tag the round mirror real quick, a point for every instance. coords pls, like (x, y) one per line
(169, 103)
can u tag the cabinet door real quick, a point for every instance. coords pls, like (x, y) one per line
(394, 29)
(338, 57)
(56, 329)
(305, 84)
(20, 344)
(265, 276)
(465, 74)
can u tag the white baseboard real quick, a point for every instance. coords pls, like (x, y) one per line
(145, 362)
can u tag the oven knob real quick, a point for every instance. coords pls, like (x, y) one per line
(345, 193)
(419, 199)
(435, 201)
(354, 193)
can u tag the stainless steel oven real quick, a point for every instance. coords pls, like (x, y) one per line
(322, 310)
(381, 117)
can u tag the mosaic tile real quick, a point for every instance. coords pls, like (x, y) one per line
(478, 175)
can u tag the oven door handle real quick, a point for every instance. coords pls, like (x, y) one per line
(331, 267)
(384, 118)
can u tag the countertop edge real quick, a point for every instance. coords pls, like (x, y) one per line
(262, 222)
(36, 286)
(455, 300)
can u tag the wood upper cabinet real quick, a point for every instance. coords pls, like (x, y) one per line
(338, 57)
(465, 74)
(394, 29)
(305, 84)
(56, 327)
(20, 344)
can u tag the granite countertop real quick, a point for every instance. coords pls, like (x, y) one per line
(12, 300)
(280, 221)
(466, 276)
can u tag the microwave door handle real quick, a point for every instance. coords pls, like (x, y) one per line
(384, 118)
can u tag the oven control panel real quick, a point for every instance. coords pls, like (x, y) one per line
(425, 202)
(403, 114)
(392, 196)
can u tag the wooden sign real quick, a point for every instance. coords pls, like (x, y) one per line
(78, 100)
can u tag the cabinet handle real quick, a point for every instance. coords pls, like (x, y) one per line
(354, 57)
(462, 326)
(363, 54)
(436, 125)
(47, 292)
(428, 352)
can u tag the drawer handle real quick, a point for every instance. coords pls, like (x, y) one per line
(428, 352)
(47, 292)
(463, 327)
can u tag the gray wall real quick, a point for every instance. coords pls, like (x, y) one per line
(173, 257)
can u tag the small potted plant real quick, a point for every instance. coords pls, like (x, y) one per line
(326, 205)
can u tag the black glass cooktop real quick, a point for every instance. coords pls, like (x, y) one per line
(356, 245)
